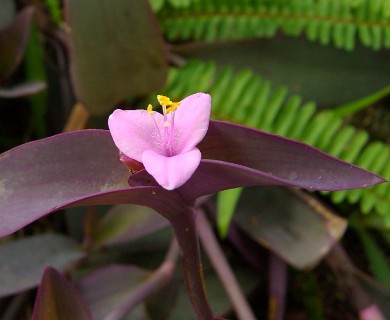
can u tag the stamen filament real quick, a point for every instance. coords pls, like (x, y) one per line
(167, 138)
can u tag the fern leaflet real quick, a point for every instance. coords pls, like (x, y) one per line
(338, 22)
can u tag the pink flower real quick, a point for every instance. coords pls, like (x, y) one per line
(164, 143)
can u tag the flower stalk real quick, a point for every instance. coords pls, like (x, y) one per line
(185, 229)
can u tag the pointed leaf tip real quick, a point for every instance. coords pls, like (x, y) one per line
(58, 299)
(288, 161)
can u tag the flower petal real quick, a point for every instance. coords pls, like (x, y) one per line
(171, 172)
(133, 130)
(192, 119)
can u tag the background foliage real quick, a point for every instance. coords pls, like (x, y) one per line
(312, 70)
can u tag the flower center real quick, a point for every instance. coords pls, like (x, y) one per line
(167, 136)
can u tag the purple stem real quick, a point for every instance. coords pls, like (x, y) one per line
(156, 281)
(221, 266)
(277, 287)
(187, 239)
(343, 268)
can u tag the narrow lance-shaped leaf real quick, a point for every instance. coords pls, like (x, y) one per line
(237, 156)
(58, 299)
(82, 168)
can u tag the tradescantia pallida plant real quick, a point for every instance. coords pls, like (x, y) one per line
(168, 160)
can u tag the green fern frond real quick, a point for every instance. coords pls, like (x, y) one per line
(54, 7)
(158, 4)
(340, 22)
(246, 98)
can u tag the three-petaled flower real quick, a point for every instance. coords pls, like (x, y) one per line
(164, 143)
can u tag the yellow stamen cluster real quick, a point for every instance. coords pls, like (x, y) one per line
(163, 100)
(166, 102)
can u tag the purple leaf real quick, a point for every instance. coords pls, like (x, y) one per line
(20, 270)
(13, 42)
(83, 168)
(58, 299)
(76, 168)
(105, 289)
(285, 160)
(237, 156)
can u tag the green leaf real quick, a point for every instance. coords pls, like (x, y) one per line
(117, 51)
(7, 12)
(256, 102)
(226, 204)
(22, 261)
(327, 22)
(124, 223)
(287, 225)
(36, 71)
(156, 4)
(305, 68)
(378, 261)
(355, 106)
(54, 7)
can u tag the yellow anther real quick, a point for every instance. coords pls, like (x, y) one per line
(150, 109)
(163, 100)
(172, 107)
(175, 104)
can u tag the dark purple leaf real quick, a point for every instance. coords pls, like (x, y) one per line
(236, 156)
(13, 42)
(82, 168)
(117, 51)
(292, 162)
(20, 270)
(76, 168)
(277, 286)
(58, 299)
(106, 288)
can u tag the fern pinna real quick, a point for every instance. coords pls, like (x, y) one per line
(338, 22)
(246, 98)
